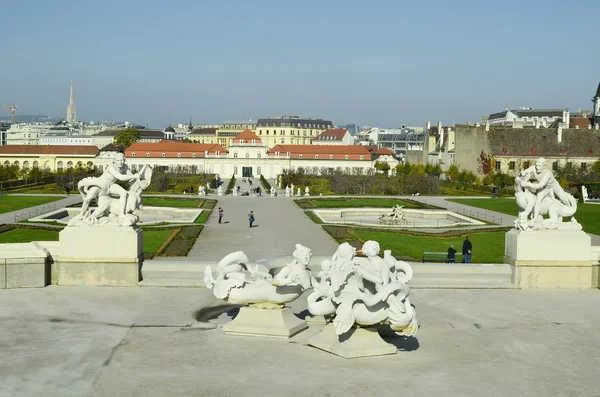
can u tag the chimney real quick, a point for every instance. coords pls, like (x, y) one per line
(487, 125)
(428, 125)
(559, 133)
(439, 126)
(537, 123)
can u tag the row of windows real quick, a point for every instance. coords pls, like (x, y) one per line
(512, 165)
(59, 165)
(238, 126)
(178, 154)
(294, 124)
(291, 132)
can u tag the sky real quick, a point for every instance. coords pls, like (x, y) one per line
(382, 63)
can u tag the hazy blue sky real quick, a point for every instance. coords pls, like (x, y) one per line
(378, 62)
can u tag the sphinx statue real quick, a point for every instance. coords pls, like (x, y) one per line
(237, 280)
(360, 294)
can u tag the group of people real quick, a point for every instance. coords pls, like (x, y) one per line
(251, 218)
(466, 251)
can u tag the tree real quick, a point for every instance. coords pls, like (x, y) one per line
(453, 172)
(35, 174)
(127, 137)
(484, 163)
(382, 166)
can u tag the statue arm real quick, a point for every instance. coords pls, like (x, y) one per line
(121, 177)
(542, 182)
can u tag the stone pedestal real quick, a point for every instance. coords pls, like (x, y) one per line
(99, 255)
(549, 258)
(272, 323)
(24, 265)
(358, 342)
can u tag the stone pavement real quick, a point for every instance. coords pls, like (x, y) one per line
(279, 224)
(70, 341)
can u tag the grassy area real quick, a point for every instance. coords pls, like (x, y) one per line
(172, 202)
(488, 247)
(358, 202)
(153, 239)
(19, 235)
(14, 203)
(587, 214)
(203, 217)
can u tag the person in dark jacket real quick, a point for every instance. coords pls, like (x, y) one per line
(451, 254)
(466, 250)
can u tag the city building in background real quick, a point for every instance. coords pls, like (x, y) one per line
(228, 130)
(290, 130)
(334, 137)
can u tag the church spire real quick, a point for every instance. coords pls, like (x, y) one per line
(71, 112)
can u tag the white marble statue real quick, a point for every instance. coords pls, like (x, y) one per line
(298, 193)
(397, 217)
(291, 189)
(207, 187)
(306, 191)
(584, 193)
(236, 280)
(115, 204)
(220, 191)
(287, 191)
(234, 191)
(545, 196)
(201, 191)
(272, 191)
(364, 291)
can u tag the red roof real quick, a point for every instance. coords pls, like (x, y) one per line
(385, 151)
(247, 136)
(332, 152)
(50, 149)
(332, 135)
(172, 149)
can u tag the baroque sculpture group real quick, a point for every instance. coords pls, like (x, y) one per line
(350, 292)
(542, 197)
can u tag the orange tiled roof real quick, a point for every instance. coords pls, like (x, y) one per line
(385, 151)
(247, 136)
(333, 152)
(50, 149)
(172, 149)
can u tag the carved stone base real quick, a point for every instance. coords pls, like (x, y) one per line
(99, 255)
(549, 258)
(270, 323)
(316, 319)
(358, 342)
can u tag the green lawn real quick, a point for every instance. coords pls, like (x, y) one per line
(359, 202)
(14, 203)
(203, 217)
(28, 235)
(153, 239)
(487, 247)
(172, 202)
(587, 214)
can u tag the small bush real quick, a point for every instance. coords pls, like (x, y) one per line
(188, 232)
(179, 247)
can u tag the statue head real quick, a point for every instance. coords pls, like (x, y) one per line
(302, 254)
(371, 248)
(119, 160)
(540, 165)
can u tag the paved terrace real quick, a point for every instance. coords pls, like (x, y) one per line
(70, 341)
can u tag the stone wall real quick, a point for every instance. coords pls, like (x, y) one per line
(524, 143)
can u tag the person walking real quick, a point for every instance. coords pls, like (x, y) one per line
(220, 214)
(251, 218)
(466, 250)
(451, 254)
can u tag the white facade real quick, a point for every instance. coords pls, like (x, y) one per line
(529, 117)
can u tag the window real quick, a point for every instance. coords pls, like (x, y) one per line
(583, 166)
(258, 170)
(511, 165)
(235, 170)
(59, 165)
(133, 154)
(316, 156)
(282, 140)
(247, 155)
(147, 154)
(235, 155)
(331, 157)
(26, 165)
(7, 163)
(362, 157)
(497, 165)
(36, 164)
(525, 164)
(299, 156)
(346, 157)
(178, 154)
(258, 155)
(70, 165)
(194, 155)
(164, 155)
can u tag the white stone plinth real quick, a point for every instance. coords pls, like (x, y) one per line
(99, 255)
(358, 342)
(549, 258)
(273, 323)
(24, 265)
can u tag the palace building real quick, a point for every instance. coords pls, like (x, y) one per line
(290, 130)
